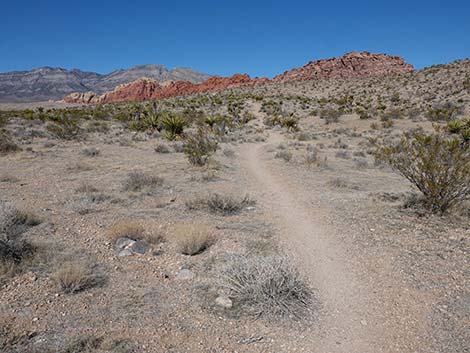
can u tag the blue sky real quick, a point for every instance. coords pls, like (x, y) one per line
(261, 38)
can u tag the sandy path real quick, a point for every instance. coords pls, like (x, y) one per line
(348, 322)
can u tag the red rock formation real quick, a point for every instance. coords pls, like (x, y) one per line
(141, 90)
(350, 65)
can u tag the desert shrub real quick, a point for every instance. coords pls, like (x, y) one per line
(360, 163)
(199, 147)
(66, 130)
(391, 114)
(90, 151)
(267, 286)
(6, 144)
(330, 115)
(86, 188)
(443, 112)
(219, 204)
(312, 156)
(137, 181)
(6, 178)
(343, 154)
(439, 166)
(272, 120)
(75, 277)
(193, 239)
(387, 124)
(338, 183)
(286, 155)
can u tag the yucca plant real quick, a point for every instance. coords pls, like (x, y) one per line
(173, 125)
(291, 123)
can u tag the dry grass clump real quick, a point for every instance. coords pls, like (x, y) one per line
(14, 221)
(219, 204)
(126, 229)
(75, 277)
(266, 286)
(193, 239)
(86, 188)
(12, 253)
(137, 181)
(135, 231)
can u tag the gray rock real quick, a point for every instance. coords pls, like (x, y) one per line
(223, 302)
(123, 243)
(139, 247)
(124, 253)
(185, 275)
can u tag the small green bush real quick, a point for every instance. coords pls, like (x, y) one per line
(199, 147)
(438, 165)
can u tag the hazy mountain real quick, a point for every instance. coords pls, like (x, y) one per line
(54, 83)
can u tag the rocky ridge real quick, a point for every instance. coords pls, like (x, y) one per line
(350, 65)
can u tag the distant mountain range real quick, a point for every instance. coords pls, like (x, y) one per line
(47, 83)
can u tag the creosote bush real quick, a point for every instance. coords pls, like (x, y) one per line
(199, 147)
(438, 165)
(266, 286)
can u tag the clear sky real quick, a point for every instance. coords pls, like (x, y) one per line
(261, 38)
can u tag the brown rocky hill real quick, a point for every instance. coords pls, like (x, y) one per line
(350, 65)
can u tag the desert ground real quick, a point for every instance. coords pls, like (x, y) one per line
(130, 248)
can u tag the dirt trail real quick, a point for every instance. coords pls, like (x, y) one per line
(348, 321)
